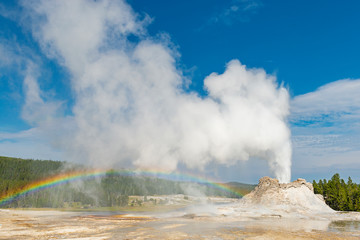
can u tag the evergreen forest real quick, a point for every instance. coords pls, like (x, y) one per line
(109, 191)
(338, 194)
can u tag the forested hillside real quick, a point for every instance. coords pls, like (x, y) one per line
(338, 194)
(108, 191)
(16, 173)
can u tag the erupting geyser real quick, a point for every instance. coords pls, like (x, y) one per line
(131, 105)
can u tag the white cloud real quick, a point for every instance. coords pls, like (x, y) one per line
(30, 149)
(7, 57)
(28, 144)
(325, 125)
(335, 102)
(237, 11)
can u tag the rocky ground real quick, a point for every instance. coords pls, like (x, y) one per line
(271, 211)
(17, 224)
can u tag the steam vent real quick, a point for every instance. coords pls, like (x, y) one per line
(297, 196)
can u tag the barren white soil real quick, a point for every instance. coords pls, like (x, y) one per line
(271, 211)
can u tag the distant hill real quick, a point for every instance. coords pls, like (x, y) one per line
(241, 188)
(111, 190)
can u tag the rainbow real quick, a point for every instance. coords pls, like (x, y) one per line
(72, 176)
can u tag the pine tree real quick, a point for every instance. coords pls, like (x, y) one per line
(316, 188)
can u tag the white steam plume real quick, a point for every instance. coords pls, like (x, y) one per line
(129, 103)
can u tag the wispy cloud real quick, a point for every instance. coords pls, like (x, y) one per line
(30, 143)
(237, 11)
(334, 103)
(325, 125)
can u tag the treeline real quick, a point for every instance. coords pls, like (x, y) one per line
(338, 194)
(16, 173)
(108, 191)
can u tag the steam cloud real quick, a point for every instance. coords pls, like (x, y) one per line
(130, 104)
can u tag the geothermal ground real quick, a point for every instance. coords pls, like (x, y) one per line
(271, 211)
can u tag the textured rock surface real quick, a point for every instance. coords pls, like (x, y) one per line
(297, 196)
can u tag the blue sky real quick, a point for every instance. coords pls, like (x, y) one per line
(312, 47)
(305, 43)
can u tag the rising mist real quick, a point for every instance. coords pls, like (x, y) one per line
(131, 105)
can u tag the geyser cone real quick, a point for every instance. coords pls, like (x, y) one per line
(297, 196)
